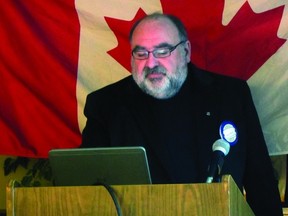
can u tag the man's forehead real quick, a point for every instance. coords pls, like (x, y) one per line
(155, 32)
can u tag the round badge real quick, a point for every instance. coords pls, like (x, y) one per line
(228, 132)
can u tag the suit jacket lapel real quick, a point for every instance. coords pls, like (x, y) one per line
(207, 118)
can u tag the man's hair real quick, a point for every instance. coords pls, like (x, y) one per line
(176, 21)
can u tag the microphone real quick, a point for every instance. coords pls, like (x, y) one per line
(220, 149)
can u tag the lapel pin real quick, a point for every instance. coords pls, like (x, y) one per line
(228, 132)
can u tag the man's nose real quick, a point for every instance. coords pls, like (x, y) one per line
(151, 61)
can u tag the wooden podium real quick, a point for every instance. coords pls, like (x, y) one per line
(136, 200)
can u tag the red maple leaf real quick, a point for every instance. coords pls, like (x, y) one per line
(238, 49)
(121, 29)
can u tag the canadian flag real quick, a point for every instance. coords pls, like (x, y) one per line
(54, 53)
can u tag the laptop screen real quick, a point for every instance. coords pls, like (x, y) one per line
(92, 166)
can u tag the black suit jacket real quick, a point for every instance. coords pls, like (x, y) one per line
(122, 115)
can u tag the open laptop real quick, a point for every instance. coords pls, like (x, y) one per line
(92, 166)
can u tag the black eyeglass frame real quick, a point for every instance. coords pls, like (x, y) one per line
(154, 52)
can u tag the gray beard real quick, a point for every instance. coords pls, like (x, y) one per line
(173, 86)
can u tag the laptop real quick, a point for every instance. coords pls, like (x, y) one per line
(93, 166)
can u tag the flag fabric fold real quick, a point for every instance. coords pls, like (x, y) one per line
(39, 63)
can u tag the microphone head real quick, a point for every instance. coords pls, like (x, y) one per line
(221, 145)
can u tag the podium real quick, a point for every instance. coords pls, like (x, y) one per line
(136, 200)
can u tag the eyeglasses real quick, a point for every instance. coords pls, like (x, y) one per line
(157, 53)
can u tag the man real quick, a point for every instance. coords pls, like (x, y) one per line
(175, 110)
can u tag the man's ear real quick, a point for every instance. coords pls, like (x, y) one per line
(187, 49)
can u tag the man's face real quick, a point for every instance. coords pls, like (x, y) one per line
(159, 77)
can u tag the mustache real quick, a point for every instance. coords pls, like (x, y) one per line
(154, 70)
